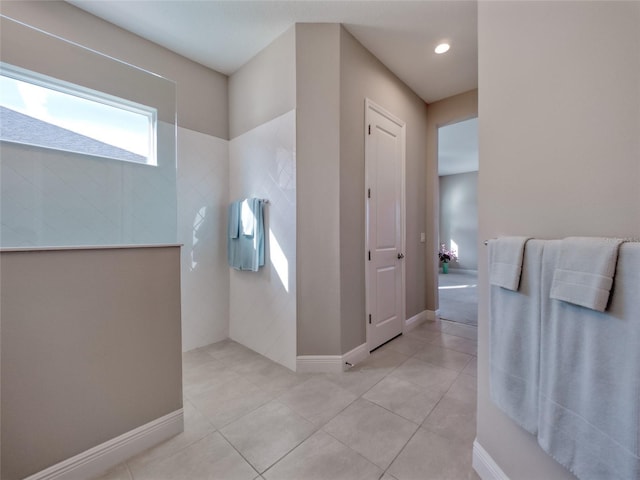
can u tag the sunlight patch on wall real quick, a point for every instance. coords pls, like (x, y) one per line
(279, 260)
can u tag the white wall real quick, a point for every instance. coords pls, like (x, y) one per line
(459, 217)
(559, 131)
(203, 192)
(263, 304)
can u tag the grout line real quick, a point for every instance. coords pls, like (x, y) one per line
(239, 453)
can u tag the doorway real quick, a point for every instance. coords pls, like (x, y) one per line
(458, 221)
(385, 224)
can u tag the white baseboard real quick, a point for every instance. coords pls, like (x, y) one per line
(484, 465)
(416, 320)
(101, 458)
(319, 364)
(331, 363)
(433, 315)
(355, 356)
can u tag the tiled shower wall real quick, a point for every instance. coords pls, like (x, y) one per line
(55, 198)
(262, 163)
(203, 192)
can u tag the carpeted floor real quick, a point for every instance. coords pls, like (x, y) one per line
(458, 296)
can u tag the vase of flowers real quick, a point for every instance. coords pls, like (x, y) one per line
(446, 256)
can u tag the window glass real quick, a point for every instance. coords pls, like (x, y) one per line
(41, 111)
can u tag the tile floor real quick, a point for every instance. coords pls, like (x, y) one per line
(406, 413)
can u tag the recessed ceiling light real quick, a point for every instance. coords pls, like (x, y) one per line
(442, 48)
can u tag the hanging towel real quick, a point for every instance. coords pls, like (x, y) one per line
(246, 251)
(589, 415)
(233, 226)
(248, 217)
(585, 270)
(506, 263)
(514, 331)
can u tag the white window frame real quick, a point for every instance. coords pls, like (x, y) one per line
(21, 74)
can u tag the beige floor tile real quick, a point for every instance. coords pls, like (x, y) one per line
(355, 381)
(404, 398)
(230, 401)
(382, 362)
(211, 458)
(272, 377)
(321, 457)
(267, 434)
(232, 353)
(465, 387)
(196, 427)
(432, 456)
(318, 400)
(431, 325)
(443, 357)
(119, 472)
(196, 358)
(208, 376)
(472, 367)
(424, 334)
(405, 344)
(455, 415)
(458, 344)
(435, 379)
(375, 433)
(460, 330)
(453, 418)
(387, 476)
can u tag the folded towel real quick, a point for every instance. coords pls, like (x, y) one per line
(585, 270)
(589, 411)
(514, 330)
(506, 261)
(233, 226)
(247, 217)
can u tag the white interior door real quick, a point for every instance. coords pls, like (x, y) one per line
(384, 176)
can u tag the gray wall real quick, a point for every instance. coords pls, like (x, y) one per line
(201, 92)
(459, 217)
(265, 87)
(318, 188)
(90, 349)
(559, 123)
(443, 112)
(364, 76)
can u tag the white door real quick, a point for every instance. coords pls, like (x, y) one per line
(384, 249)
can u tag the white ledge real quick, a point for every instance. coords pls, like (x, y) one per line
(88, 247)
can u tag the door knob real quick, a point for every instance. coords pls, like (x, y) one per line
(401, 255)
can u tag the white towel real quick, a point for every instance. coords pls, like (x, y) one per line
(589, 412)
(514, 331)
(585, 270)
(506, 261)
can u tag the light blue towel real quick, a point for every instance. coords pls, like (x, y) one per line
(246, 250)
(233, 226)
(589, 412)
(514, 330)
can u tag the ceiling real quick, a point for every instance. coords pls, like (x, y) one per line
(458, 147)
(224, 35)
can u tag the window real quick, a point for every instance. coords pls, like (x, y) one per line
(46, 112)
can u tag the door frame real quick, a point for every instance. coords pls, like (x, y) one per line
(370, 106)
